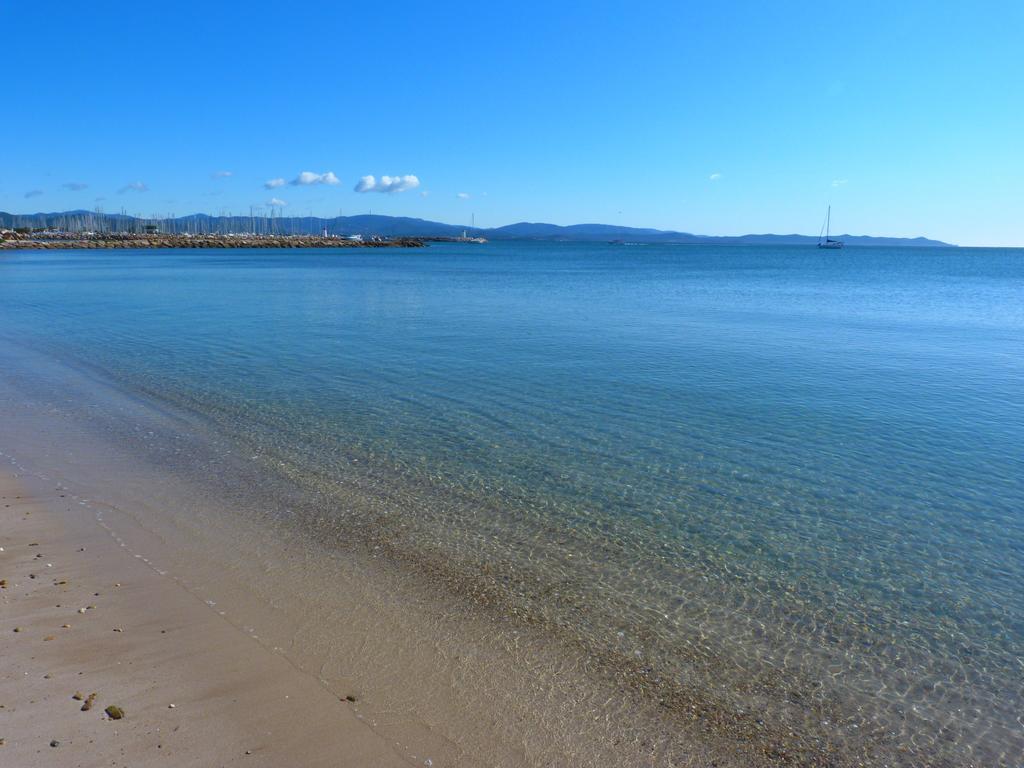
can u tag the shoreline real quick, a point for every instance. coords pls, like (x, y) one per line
(433, 677)
(267, 567)
(82, 615)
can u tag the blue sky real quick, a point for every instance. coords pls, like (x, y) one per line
(716, 118)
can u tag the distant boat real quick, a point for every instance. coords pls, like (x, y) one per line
(828, 242)
(467, 239)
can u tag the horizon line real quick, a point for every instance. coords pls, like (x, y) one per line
(648, 230)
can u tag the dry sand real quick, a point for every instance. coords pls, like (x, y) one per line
(80, 614)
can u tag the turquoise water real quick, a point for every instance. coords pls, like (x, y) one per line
(763, 484)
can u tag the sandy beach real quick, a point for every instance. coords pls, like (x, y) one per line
(256, 632)
(81, 616)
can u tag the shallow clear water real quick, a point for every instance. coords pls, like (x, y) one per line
(781, 490)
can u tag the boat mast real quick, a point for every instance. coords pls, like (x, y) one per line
(828, 222)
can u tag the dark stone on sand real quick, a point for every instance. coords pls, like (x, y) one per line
(114, 712)
(54, 743)
(350, 698)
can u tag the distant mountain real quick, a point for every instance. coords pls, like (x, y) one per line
(401, 226)
(527, 231)
(602, 232)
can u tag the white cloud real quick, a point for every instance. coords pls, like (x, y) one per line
(387, 184)
(306, 178)
(34, 193)
(274, 183)
(276, 202)
(75, 186)
(715, 176)
(838, 182)
(463, 195)
(221, 174)
(135, 186)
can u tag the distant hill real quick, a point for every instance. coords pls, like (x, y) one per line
(401, 226)
(602, 232)
(527, 231)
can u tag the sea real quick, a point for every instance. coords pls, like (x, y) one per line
(774, 495)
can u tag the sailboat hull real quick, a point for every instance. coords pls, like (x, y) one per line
(828, 242)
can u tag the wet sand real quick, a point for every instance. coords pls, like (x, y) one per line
(79, 614)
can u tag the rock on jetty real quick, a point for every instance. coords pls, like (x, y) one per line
(134, 240)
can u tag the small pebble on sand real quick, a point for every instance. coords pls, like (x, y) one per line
(54, 743)
(114, 712)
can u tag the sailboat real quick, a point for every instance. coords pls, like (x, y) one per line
(828, 242)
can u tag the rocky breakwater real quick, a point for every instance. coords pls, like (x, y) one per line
(133, 240)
